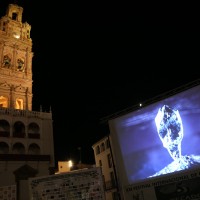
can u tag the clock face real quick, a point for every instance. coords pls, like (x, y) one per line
(16, 35)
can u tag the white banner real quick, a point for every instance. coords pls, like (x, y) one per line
(182, 186)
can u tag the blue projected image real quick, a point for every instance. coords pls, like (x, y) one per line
(170, 130)
(158, 139)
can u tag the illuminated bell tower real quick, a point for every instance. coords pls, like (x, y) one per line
(15, 60)
(26, 136)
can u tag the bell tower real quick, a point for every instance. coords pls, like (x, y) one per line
(15, 60)
(26, 136)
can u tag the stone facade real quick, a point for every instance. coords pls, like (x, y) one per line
(82, 184)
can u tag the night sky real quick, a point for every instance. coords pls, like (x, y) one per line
(94, 59)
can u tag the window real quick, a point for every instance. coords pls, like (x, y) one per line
(6, 61)
(112, 178)
(107, 144)
(109, 160)
(4, 128)
(19, 130)
(19, 104)
(3, 102)
(18, 148)
(20, 65)
(97, 150)
(102, 147)
(14, 16)
(34, 149)
(4, 148)
(100, 163)
(33, 131)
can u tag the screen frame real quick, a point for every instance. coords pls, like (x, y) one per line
(157, 102)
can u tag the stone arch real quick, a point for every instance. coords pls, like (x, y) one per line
(33, 130)
(18, 148)
(4, 128)
(4, 148)
(18, 129)
(34, 149)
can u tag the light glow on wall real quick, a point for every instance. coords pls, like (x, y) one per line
(64, 166)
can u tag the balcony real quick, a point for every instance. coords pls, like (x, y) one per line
(19, 134)
(24, 157)
(4, 134)
(34, 135)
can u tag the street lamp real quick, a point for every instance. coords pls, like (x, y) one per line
(70, 164)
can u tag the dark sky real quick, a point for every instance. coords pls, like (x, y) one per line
(93, 59)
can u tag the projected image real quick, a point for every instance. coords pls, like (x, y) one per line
(159, 139)
(170, 130)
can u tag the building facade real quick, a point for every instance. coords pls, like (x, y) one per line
(104, 159)
(26, 136)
